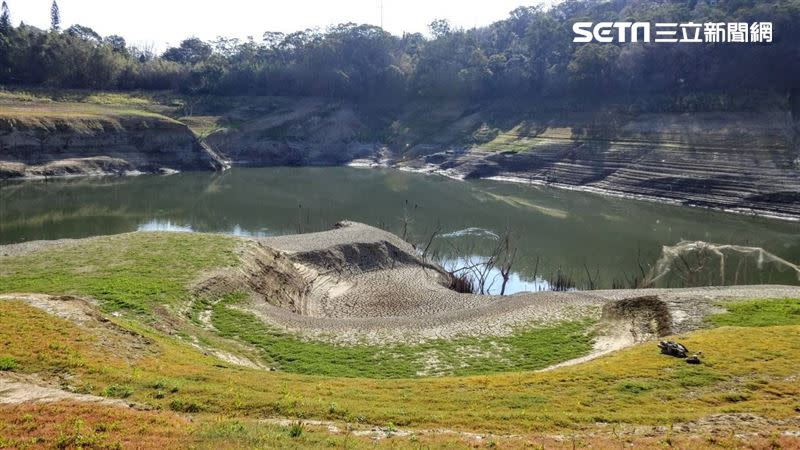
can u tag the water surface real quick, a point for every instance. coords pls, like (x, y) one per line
(555, 230)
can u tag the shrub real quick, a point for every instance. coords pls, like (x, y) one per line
(117, 391)
(462, 283)
(296, 429)
(187, 407)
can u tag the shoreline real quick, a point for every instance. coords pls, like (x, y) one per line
(453, 175)
(432, 169)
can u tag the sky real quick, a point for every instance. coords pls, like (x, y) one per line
(167, 22)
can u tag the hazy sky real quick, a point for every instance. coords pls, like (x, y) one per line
(169, 21)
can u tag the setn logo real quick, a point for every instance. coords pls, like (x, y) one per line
(604, 31)
(689, 32)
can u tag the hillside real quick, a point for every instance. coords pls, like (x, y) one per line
(40, 137)
(741, 158)
(186, 329)
(725, 153)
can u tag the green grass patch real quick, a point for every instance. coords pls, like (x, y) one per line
(754, 371)
(7, 363)
(117, 98)
(131, 272)
(759, 313)
(202, 126)
(525, 349)
(118, 391)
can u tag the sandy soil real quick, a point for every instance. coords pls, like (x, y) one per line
(366, 285)
(16, 388)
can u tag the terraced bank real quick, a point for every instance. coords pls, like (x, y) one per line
(745, 162)
(742, 159)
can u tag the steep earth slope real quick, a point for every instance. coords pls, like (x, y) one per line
(39, 140)
(360, 284)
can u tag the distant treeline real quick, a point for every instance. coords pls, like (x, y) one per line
(528, 55)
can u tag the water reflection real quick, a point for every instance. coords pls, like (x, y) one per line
(164, 225)
(493, 281)
(170, 226)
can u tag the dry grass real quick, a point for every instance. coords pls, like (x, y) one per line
(82, 111)
(202, 125)
(77, 425)
(637, 386)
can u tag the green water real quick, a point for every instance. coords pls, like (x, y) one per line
(568, 231)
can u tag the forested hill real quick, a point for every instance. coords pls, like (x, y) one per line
(528, 55)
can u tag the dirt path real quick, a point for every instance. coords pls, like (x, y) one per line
(617, 339)
(81, 311)
(744, 426)
(16, 388)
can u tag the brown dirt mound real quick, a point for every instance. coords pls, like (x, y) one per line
(646, 317)
(263, 272)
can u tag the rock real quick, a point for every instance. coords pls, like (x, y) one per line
(694, 359)
(673, 349)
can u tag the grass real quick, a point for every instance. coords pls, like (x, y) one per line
(759, 313)
(76, 425)
(151, 101)
(637, 385)
(118, 98)
(89, 426)
(751, 365)
(83, 111)
(526, 349)
(134, 272)
(81, 116)
(117, 391)
(202, 126)
(7, 363)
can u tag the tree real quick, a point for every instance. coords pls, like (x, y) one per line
(6, 71)
(85, 33)
(117, 43)
(439, 28)
(592, 67)
(5, 19)
(191, 51)
(55, 17)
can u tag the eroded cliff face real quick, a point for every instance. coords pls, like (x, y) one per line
(305, 132)
(744, 161)
(33, 145)
(739, 161)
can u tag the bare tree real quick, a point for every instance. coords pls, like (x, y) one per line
(507, 256)
(482, 271)
(406, 220)
(431, 237)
